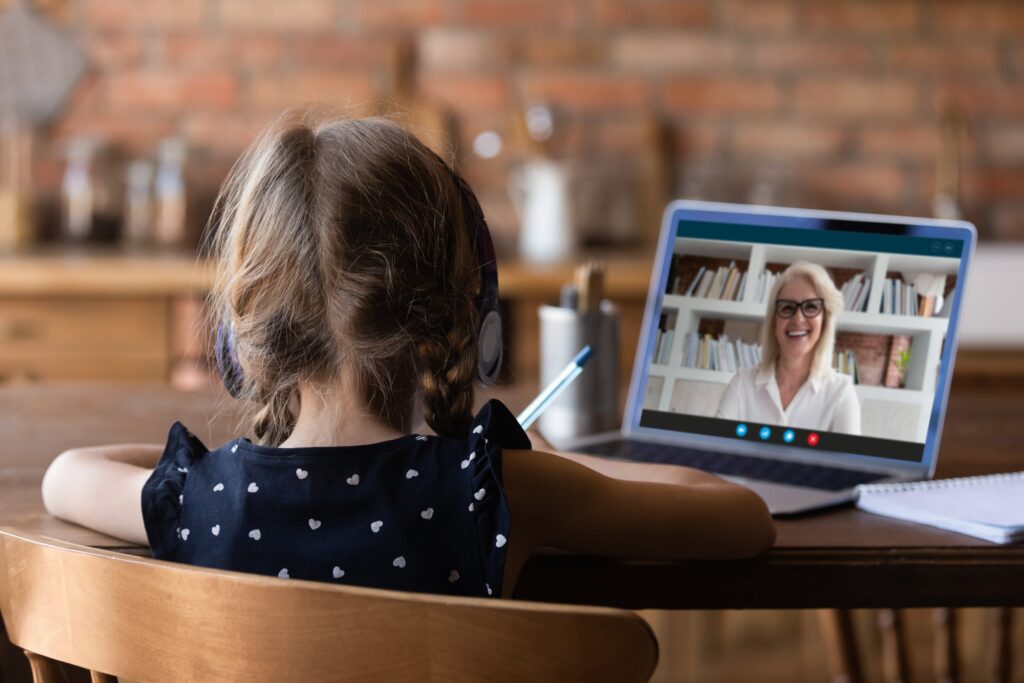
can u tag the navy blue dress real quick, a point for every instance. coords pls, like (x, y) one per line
(417, 513)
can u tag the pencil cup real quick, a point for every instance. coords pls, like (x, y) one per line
(590, 404)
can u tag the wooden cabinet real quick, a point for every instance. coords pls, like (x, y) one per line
(99, 316)
(65, 338)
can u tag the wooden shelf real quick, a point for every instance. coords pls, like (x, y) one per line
(103, 273)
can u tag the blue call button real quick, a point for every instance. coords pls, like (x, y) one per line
(788, 436)
(765, 433)
(741, 430)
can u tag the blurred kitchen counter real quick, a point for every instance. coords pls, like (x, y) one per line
(102, 273)
(109, 272)
(109, 314)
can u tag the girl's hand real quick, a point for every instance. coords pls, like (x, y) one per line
(627, 509)
(101, 488)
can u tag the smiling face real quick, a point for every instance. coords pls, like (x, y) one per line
(797, 336)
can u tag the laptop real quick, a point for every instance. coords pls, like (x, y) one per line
(902, 281)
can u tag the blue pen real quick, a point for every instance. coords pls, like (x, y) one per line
(553, 390)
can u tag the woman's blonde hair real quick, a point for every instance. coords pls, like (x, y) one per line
(343, 244)
(821, 363)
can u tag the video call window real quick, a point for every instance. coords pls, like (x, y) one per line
(721, 325)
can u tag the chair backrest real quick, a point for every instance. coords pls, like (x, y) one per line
(149, 620)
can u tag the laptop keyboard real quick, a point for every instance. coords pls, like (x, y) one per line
(777, 471)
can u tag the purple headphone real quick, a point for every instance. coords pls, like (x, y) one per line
(490, 346)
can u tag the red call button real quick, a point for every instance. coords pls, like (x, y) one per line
(812, 439)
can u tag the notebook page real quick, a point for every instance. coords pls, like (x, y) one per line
(993, 501)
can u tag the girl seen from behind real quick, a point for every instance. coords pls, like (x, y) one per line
(355, 300)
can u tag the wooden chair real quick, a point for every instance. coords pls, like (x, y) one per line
(147, 620)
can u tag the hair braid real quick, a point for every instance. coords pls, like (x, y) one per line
(447, 372)
(275, 421)
(448, 355)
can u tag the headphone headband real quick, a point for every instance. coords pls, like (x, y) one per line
(490, 343)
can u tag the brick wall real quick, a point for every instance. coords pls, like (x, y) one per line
(826, 104)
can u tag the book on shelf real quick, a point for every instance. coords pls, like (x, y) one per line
(666, 335)
(693, 283)
(765, 281)
(985, 507)
(903, 298)
(723, 283)
(861, 302)
(731, 283)
(845, 362)
(742, 287)
(855, 292)
(705, 284)
(706, 352)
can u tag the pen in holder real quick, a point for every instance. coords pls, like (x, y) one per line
(590, 404)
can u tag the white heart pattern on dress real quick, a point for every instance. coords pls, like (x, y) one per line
(253, 488)
(420, 437)
(489, 591)
(215, 530)
(219, 487)
(411, 473)
(479, 495)
(184, 470)
(301, 473)
(255, 534)
(375, 526)
(453, 576)
(337, 572)
(184, 534)
(353, 480)
(427, 514)
(471, 507)
(234, 449)
(399, 562)
(181, 499)
(283, 574)
(314, 524)
(478, 429)
(465, 464)
(499, 541)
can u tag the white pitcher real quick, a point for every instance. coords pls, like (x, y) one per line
(540, 195)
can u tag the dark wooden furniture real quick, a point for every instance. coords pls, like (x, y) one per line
(838, 559)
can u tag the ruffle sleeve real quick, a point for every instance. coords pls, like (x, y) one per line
(163, 491)
(494, 428)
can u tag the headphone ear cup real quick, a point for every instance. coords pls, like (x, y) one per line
(227, 363)
(490, 348)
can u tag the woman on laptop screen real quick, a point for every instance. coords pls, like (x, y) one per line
(794, 384)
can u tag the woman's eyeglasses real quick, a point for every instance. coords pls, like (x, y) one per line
(811, 308)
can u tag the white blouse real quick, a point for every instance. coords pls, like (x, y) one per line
(826, 403)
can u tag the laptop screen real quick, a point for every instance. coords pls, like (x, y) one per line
(810, 330)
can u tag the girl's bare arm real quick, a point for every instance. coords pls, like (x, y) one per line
(642, 471)
(101, 488)
(603, 507)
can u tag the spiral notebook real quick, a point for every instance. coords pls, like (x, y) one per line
(989, 507)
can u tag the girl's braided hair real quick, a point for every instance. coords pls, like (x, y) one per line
(345, 244)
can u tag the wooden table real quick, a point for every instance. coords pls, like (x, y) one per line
(843, 558)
